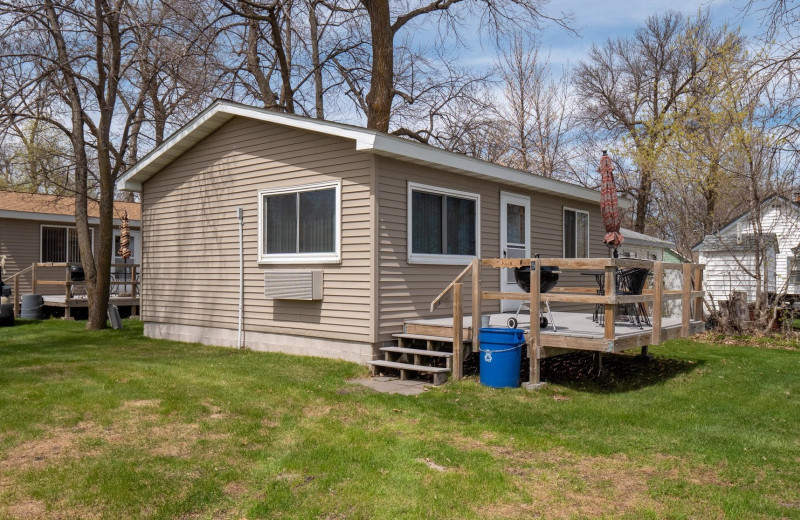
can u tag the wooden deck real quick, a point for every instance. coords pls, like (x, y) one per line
(69, 299)
(578, 332)
(61, 301)
(574, 331)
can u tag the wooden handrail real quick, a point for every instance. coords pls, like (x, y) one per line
(438, 300)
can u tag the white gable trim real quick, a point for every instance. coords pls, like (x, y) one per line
(371, 141)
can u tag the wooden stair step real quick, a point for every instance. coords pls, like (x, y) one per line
(408, 366)
(439, 373)
(422, 337)
(418, 352)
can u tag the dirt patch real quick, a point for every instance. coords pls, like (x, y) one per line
(141, 403)
(173, 440)
(316, 410)
(40, 452)
(214, 411)
(235, 489)
(559, 484)
(26, 509)
(431, 464)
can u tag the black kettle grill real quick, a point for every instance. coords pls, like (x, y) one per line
(548, 279)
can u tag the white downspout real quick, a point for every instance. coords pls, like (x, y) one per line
(240, 216)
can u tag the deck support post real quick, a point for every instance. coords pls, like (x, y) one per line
(686, 300)
(16, 296)
(477, 315)
(658, 302)
(458, 328)
(610, 309)
(598, 362)
(33, 278)
(534, 334)
(698, 286)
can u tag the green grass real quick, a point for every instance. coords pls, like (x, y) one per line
(110, 424)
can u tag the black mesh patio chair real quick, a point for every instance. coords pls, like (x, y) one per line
(629, 282)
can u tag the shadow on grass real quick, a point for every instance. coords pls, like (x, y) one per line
(622, 373)
(19, 322)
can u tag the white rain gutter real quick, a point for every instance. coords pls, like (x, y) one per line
(240, 216)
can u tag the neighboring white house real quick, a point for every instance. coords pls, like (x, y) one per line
(780, 228)
(728, 261)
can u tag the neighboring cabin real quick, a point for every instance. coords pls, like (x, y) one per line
(646, 247)
(35, 227)
(347, 231)
(734, 246)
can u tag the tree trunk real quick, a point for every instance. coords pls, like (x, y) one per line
(643, 200)
(313, 23)
(379, 97)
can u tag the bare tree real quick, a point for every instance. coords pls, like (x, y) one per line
(629, 88)
(82, 61)
(385, 25)
(536, 110)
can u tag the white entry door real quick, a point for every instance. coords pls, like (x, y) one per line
(515, 240)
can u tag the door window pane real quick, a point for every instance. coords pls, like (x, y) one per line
(515, 224)
(569, 234)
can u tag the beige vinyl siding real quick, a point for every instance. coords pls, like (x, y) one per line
(20, 241)
(406, 290)
(190, 264)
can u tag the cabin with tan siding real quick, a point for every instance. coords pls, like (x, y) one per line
(40, 228)
(333, 204)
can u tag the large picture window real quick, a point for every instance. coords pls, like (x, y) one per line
(442, 225)
(300, 224)
(576, 233)
(60, 244)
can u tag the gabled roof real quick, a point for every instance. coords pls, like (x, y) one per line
(634, 238)
(725, 227)
(53, 207)
(745, 243)
(369, 141)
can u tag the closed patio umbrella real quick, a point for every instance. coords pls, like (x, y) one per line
(609, 205)
(124, 242)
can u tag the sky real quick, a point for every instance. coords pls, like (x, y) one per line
(598, 21)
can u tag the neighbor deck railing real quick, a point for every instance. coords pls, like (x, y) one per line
(692, 275)
(67, 282)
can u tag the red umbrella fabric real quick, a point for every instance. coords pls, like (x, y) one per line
(609, 205)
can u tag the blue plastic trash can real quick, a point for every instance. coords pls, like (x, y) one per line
(501, 356)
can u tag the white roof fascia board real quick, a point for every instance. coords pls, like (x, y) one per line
(64, 219)
(424, 154)
(220, 112)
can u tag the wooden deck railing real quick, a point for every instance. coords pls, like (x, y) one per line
(692, 275)
(67, 283)
(16, 280)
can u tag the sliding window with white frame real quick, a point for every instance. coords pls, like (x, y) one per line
(576, 233)
(443, 225)
(300, 224)
(60, 244)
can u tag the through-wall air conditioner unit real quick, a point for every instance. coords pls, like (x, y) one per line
(293, 284)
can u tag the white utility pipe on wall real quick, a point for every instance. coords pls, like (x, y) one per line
(240, 216)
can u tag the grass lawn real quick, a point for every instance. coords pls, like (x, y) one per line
(110, 424)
